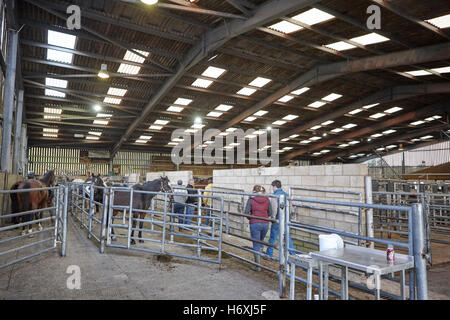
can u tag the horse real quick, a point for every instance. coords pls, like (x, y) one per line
(33, 200)
(98, 192)
(141, 201)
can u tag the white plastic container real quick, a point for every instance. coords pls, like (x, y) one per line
(330, 241)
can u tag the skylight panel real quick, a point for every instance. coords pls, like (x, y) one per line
(246, 91)
(52, 110)
(117, 92)
(141, 141)
(130, 56)
(54, 93)
(128, 69)
(197, 126)
(389, 131)
(344, 145)
(294, 136)
(315, 138)
(56, 83)
(353, 142)
(250, 119)
(182, 101)
(370, 38)
(392, 146)
(324, 151)
(103, 115)
(380, 149)
(260, 113)
(224, 107)
(286, 98)
(305, 141)
(290, 117)
(442, 70)
(213, 72)
(316, 104)
(355, 111)
(231, 129)
(376, 135)
(52, 117)
(284, 140)
(416, 123)
(313, 16)
(316, 127)
(349, 126)
(441, 22)
(370, 106)
(332, 97)
(288, 148)
(112, 100)
(279, 122)
(155, 127)
(145, 137)
(61, 39)
(300, 91)
(327, 122)
(92, 138)
(340, 46)
(259, 82)
(337, 130)
(161, 122)
(426, 137)
(59, 56)
(285, 27)
(51, 130)
(201, 83)
(103, 122)
(95, 133)
(377, 115)
(50, 135)
(77, 135)
(175, 109)
(418, 73)
(393, 110)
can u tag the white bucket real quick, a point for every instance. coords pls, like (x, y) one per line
(330, 241)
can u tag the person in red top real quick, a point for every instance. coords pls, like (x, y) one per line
(258, 206)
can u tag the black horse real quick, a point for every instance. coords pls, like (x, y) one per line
(141, 201)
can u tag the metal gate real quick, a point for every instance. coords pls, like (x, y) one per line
(163, 231)
(49, 235)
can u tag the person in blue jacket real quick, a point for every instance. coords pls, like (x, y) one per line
(275, 227)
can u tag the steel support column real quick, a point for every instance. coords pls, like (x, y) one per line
(17, 133)
(8, 101)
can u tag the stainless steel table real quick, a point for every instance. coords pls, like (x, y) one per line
(368, 260)
(308, 262)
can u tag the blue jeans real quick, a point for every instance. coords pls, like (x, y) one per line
(274, 233)
(207, 214)
(258, 231)
(190, 211)
(178, 208)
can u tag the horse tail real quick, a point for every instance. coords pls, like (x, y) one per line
(15, 207)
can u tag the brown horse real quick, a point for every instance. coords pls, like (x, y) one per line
(141, 201)
(32, 200)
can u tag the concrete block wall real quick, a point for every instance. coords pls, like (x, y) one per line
(346, 177)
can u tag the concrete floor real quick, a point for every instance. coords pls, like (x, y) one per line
(119, 274)
(123, 274)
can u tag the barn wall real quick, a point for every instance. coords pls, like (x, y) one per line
(349, 177)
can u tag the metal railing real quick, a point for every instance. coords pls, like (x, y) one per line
(414, 245)
(46, 238)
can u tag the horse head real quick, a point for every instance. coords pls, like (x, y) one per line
(49, 178)
(165, 185)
